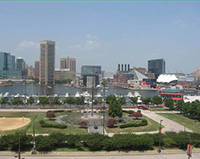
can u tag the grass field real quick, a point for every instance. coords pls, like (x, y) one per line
(38, 129)
(152, 126)
(194, 125)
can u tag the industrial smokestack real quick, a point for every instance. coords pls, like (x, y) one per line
(128, 67)
(125, 67)
(122, 67)
(118, 67)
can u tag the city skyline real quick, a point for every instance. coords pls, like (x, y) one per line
(105, 33)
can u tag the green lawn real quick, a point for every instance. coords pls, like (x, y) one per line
(38, 129)
(194, 125)
(159, 109)
(152, 126)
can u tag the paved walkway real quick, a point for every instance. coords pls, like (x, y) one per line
(167, 123)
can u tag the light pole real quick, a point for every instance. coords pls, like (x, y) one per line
(34, 143)
(160, 133)
(19, 148)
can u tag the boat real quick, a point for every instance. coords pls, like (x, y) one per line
(77, 94)
(66, 95)
(6, 94)
(99, 95)
(136, 94)
(130, 95)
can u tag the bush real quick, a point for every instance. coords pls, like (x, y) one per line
(59, 126)
(50, 114)
(134, 124)
(111, 122)
(95, 127)
(41, 122)
(46, 125)
(137, 114)
(59, 111)
(130, 112)
(82, 123)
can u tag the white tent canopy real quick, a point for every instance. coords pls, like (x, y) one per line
(166, 78)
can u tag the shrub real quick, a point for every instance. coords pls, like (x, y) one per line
(130, 112)
(82, 123)
(137, 114)
(41, 122)
(59, 111)
(134, 124)
(59, 126)
(50, 114)
(111, 122)
(46, 125)
(95, 127)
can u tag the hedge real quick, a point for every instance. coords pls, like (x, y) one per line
(135, 124)
(47, 125)
(97, 142)
(59, 111)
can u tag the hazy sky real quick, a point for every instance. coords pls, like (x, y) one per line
(105, 33)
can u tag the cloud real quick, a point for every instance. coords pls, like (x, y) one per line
(28, 45)
(91, 42)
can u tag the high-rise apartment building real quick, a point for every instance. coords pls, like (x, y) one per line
(37, 69)
(47, 62)
(68, 63)
(156, 66)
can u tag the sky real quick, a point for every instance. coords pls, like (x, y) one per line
(105, 33)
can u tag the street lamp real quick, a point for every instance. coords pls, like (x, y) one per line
(160, 133)
(104, 102)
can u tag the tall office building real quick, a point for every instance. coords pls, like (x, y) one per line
(7, 66)
(91, 75)
(47, 62)
(7, 61)
(156, 66)
(68, 63)
(20, 64)
(37, 69)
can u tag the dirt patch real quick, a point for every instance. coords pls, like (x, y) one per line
(13, 123)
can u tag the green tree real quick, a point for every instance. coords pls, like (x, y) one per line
(56, 101)
(110, 98)
(17, 101)
(43, 100)
(4, 100)
(198, 111)
(134, 100)
(146, 100)
(30, 100)
(169, 103)
(69, 100)
(157, 100)
(122, 100)
(179, 105)
(115, 109)
(80, 100)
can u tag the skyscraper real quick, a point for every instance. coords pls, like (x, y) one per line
(37, 69)
(68, 63)
(156, 66)
(47, 62)
(7, 66)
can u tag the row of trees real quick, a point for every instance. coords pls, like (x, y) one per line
(78, 100)
(43, 101)
(133, 100)
(191, 110)
(97, 142)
